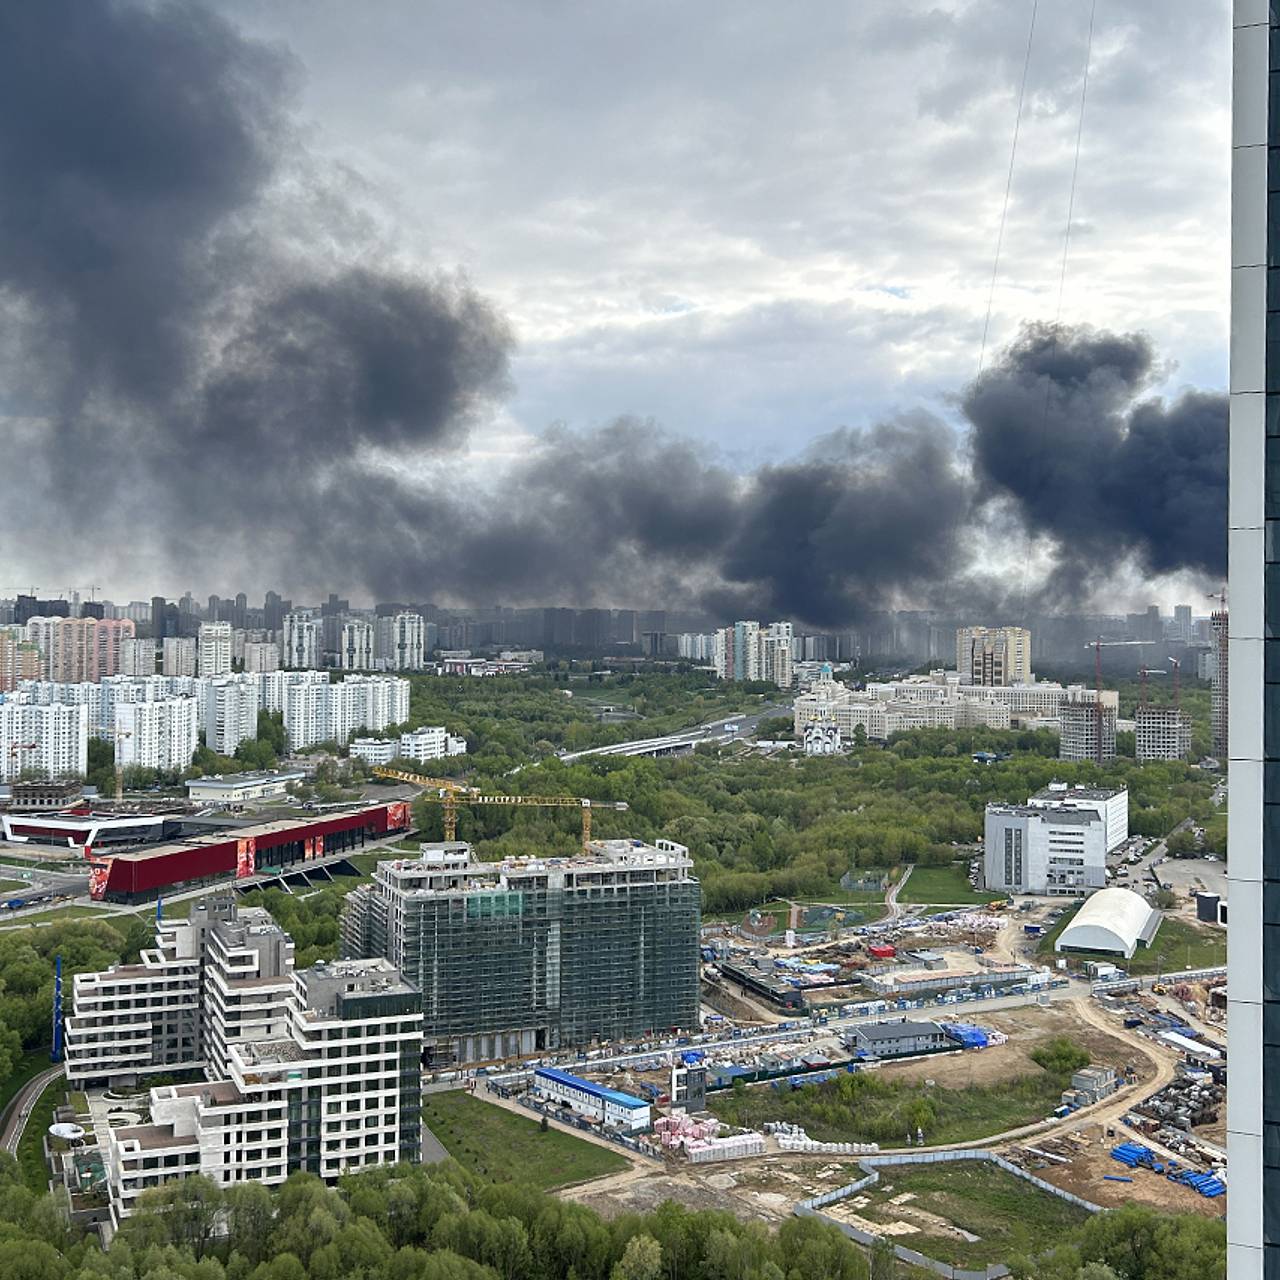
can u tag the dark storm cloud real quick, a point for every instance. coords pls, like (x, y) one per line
(1060, 430)
(206, 359)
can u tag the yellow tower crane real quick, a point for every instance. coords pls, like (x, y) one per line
(451, 793)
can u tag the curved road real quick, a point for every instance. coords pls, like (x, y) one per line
(18, 1112)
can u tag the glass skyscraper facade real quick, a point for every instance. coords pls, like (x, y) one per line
(1253, 1099)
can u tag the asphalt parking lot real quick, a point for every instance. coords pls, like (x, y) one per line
(1192, 875)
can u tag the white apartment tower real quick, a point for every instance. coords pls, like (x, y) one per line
(230, 712)
(316, 712)
(355, 645)
(400, 642)
(162, 734)
(49, 741)
(302, 649)
(214, 653)
(261, 655)
(178, 656)
(137, 657)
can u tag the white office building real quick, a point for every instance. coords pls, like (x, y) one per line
(355, 645)
(261, 655)
(432, 742)
(1111, 804)
(400, 642)
(161, 734)
(303, 646)
(1051, 850)
(214, 649)
(315, 712)
(230, 712)
(50, 741)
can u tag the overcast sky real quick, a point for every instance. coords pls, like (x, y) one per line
(621, 303)
(755, 222)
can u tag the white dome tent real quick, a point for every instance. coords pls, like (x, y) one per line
(1114, 921)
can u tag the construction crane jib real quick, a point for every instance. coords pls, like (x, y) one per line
(451, 793)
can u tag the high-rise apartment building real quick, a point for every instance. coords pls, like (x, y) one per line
(400, 642)
(178, 656)
(1080, 724)
(321, 712)
(161, 734)
(749, 651)
(46, 741)
(261, 655)
(1162, 733)
(230, 712)
(19, 659)
(302, 648)
(355, 645)
(1220, 684)
(524, 956)
(138, 657)
(75, 649)
(314, 1069)
(994, 656)
(213, 657)
(1253, 696)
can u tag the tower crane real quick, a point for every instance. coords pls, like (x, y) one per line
(1144, 671)
(1176, 664)
(117, 736)
(1097, 646)
(19, 747)
(450, 793)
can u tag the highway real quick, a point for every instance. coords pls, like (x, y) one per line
(728, 729)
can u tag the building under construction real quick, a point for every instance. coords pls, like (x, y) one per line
(531, 955)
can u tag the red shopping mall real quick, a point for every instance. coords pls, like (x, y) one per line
(139, 873)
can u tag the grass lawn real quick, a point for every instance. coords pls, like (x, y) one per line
(7, 886)
(35, 1173)
(870, 1107)
(497, 1144)
(782, 910)
(943, 886)
(57, 913)
(1009, 1216)
(29, 1065)
(1178, 943)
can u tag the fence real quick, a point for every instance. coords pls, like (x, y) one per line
(812, 1207)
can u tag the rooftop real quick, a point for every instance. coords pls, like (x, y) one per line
(152, 1136)
(896, 1030)
(1059, 814)
(1057, 791)
(236, 780)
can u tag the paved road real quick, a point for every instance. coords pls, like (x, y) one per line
(743, 727)
(891, 898)
(19, 1109)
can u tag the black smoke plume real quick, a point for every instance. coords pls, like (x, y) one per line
(207, 365)
(1060, 431)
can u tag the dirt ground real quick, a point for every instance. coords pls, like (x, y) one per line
(1086, 1176)
(752, 1190)
(1026, 1027)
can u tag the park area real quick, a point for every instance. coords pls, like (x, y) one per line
(943, 887)
(499, 1144)
(968, 1213)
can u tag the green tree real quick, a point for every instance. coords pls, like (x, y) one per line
(641, 1260)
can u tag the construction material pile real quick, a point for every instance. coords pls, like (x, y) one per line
(737, 1147)
(791, 1137)
(677, 1130)
(1133, 1155)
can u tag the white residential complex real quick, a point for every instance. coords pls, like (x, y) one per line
(261, 655)
(696, 647)
(178, 656)
(355, 645)
(137, 657)
(752, 651)
(428, 743)
(214, 649)
(161, 734)
(1051, 850)
(993, 655)
(303, 646)
(400, 642)
(320, 712)
(49, 741)
(230, 712)
(315, 1069)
